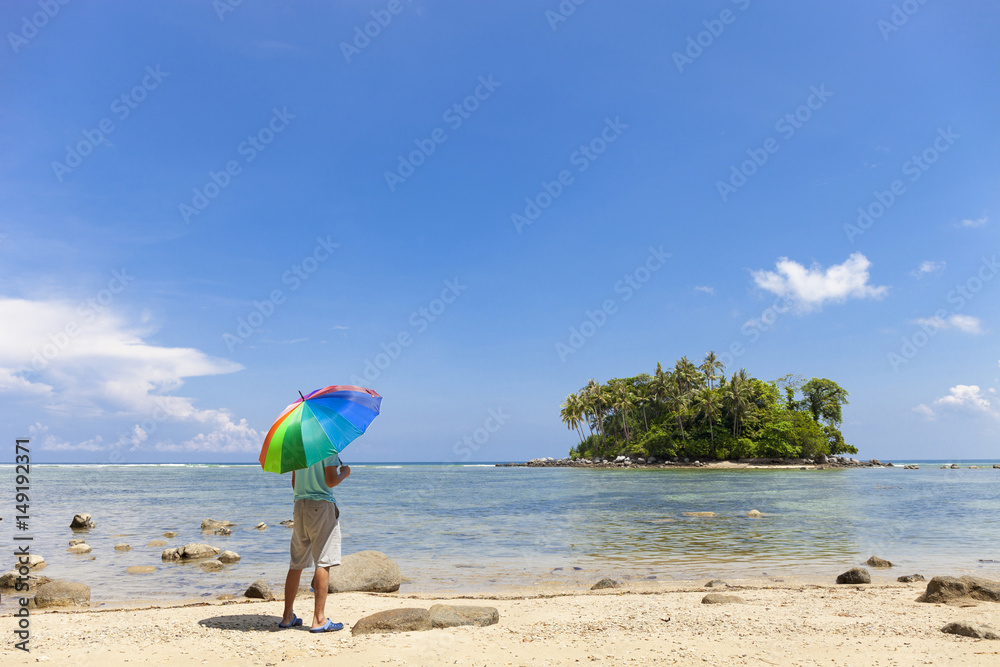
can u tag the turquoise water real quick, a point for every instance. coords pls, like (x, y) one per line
(455, 528)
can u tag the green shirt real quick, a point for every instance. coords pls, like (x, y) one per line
(310, 483)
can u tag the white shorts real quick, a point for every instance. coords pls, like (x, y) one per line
(315, 535)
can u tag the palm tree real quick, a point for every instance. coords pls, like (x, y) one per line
(709, 366)
(572, 414)
(736, 399)
(708, 405)
(622, 398)
(679, 399)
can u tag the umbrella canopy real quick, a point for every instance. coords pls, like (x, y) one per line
(318, 425)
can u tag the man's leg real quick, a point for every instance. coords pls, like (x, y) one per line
(321, 586)
(291, 588)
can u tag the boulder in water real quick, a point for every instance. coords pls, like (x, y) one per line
(81, 522)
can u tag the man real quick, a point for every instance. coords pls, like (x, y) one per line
(315, 538)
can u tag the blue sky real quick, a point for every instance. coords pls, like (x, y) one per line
(204, 211)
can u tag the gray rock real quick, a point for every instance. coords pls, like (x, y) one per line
(261, 526)
(259, 590)
(11, 579)
(287, 522)
(33, 561)
(81, 522)
(222, 531)
(875, 561)
(716, 583)
(394, 620)
(211, 566)
(212, 524)
(77, 541)
(140, 569)
(822, 459)
(950, 590)
(450, 616)
(856, 575)
(190, 552)
(719, 598)
(80, 549)
(170, 533)
(61, 593)
(370, 571)
(910, 578)
(967, 629)
(122, 547)
(754, 514)
(604, 583)
(996, 465)
(229, 557)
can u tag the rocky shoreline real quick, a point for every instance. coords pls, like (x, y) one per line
(818, 463)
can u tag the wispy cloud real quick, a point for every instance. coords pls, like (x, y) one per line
(705, 288)
(927, 267)
(811, 288)
(964, 323)
(977, 222)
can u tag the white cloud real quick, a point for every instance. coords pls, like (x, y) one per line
(811, 288)
(705, 288)
(39, 432)
(78, 363)
(965, 398)
(964, 323)
(926, 267)
(978, 222)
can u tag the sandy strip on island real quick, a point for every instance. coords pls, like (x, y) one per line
(780, 624)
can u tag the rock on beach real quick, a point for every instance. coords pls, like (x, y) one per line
(82, 548)
(259, 590)
(967, 629)
(604, 583)
(394, 620)
(10, 579)
(368, 571)
(212, 524)
(910, 578)
(229, 557)
(721, 598)
(856, 575)
(59, 593)
(82, 522)
(949, 590)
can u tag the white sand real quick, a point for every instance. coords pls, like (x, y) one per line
(644, 624)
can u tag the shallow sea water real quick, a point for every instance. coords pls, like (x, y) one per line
(463, 529)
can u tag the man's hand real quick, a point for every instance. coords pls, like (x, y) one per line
(345, 471)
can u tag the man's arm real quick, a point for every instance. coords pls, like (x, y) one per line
(293, 479)
(333, 477)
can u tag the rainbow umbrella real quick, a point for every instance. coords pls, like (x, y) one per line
(318, 425)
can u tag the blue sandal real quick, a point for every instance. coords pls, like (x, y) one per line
(296, 622)
(330, 626)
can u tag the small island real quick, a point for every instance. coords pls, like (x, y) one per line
(691, 413)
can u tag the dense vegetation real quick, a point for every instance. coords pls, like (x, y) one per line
(696, 412)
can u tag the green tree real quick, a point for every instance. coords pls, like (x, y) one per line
(824, 398)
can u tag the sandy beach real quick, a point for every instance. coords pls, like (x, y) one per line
(781, 623)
